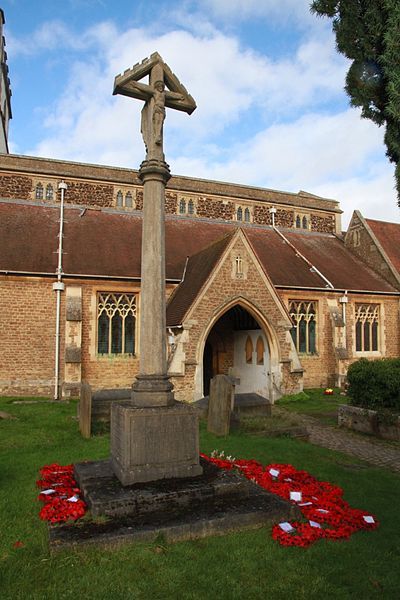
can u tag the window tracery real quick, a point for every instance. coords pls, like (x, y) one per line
(304, 315)
(367, 327)
(116, 323)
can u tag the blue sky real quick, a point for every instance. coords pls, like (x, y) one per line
(265, 74)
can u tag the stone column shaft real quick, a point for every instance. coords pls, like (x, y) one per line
(152, 386)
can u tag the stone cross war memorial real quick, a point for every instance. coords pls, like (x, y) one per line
(155, 466)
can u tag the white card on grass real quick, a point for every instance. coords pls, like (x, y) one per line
(296, 496)
(286, 527)
(315, 524)
(369, 519)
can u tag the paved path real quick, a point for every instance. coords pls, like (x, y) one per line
(377, 452)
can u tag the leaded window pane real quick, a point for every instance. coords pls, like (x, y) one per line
(128, 200)
(305, 224)
(120, 199)
(358, 336)
(39, 192)
(116, 334)
(190, 207)
(103, 333)
(239, 214)
(298, 222)
(247, 215)
(311, 337)
(129, 335)
(302, 335)
(182, 207)
(49, 192)
(374, 336)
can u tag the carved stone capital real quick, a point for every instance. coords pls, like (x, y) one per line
(154, 170)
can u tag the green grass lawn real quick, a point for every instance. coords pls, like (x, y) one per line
(315, 403)
(245, 565)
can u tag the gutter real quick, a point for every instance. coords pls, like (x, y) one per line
(76, 276)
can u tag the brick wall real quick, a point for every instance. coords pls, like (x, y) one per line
(27, 334)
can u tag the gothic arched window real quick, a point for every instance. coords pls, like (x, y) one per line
(298, 222)
(182, 207)
(49, 192)
(305, 223)
(128, 200)
(260, 349)
(249, 350)
(190, 207)
(39, 192)
(304, 315)
(120, 199)
(239, 214)
(247, 215)
(116, 319)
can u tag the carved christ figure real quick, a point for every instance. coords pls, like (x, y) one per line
(153, 116)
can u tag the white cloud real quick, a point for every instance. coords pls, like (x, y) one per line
(290, 144)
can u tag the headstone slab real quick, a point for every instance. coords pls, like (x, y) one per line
(150, 443)
(220, 406)
(85, 410)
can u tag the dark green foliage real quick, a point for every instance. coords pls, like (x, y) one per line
(375, 384)
(368, 33)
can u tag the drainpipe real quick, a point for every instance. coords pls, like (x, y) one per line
(58, 287)
(343, 301)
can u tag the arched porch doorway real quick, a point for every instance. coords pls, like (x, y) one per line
(237, 346)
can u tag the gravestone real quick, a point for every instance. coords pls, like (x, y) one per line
(85, 410)
(220, 406)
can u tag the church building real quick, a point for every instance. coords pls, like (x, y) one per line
(261, 284)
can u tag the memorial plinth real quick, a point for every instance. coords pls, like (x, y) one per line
(150, 443)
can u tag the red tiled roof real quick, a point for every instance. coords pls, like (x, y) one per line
(198, 268)
(107, 243)
(388, 235)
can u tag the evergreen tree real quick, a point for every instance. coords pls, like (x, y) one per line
(368, 33)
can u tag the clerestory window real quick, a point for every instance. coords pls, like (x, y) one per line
(304, 316)
(116, 323)
(39, 192)
(49, 192)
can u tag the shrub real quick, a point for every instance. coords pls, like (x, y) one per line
(375, 384)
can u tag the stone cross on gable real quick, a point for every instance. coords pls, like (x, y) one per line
(164, 90)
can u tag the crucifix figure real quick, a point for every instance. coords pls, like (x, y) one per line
(164, 90)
